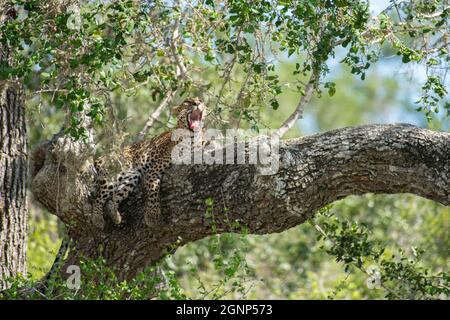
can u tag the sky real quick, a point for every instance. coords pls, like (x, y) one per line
(376, 6)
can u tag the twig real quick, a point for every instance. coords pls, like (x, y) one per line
(181, 73)
(362, 269)
(155, 115)
(434, 15)
(298, 113)
(181, 68)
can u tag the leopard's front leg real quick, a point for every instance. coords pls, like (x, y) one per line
(126, 183)
(105, 199)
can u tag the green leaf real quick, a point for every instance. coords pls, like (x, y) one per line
(274, 103)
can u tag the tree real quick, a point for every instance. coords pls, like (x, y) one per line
(74, 57)
(13, 182)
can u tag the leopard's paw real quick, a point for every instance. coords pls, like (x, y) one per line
(113, 212)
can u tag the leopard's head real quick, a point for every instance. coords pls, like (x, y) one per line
(190, 114)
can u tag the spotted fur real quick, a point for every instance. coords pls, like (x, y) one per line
(146, 160)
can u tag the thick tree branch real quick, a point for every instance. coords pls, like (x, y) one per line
(314, 171)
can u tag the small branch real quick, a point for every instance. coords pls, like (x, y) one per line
(181, 73)
(433, 15)
(372, 34)
(298, 113)
(155, 115)
(309, 88)
(181, 68)
(360, 268)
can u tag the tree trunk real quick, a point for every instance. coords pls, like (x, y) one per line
(13, 182)
(314, 171)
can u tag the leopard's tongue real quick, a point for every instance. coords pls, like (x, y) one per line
(195, 125)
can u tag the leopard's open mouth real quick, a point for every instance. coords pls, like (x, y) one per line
(194, 119)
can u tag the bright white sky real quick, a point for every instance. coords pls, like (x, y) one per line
(376, 6)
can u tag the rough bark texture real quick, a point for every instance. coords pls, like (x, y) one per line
(13, 182)
(314, 171)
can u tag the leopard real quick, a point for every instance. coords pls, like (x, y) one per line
(148, 160)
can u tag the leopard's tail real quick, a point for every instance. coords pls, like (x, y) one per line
(50, 277)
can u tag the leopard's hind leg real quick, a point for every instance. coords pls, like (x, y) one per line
(152, 180)
(153, 206)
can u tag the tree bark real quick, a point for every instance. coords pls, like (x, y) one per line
(13, 182)
(314, 171)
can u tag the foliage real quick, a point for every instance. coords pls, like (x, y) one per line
(401, 277)
(381, 246)
(225, 252)
(97, 282)
(43, 242)
(76, 53)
